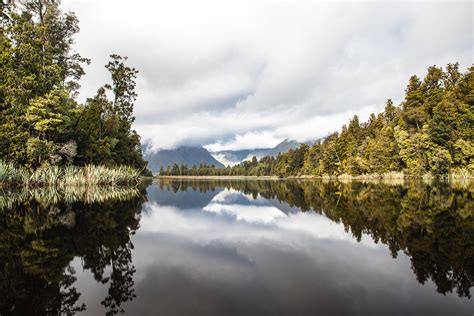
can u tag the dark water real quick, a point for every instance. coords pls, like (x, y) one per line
(239, 248)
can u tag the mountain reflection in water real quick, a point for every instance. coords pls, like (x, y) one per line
(240, 248)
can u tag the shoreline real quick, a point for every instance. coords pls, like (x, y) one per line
(342, 178)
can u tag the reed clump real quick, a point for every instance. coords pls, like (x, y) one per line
(9, 173)
(51, 176)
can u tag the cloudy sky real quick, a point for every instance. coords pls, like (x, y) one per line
(246, 74)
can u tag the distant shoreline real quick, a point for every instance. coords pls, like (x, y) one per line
(395, 176)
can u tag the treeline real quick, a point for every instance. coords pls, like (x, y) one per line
(430, 132)
(41, 123)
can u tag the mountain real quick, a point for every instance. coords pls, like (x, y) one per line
(182, 155)
(234, 157)
(282, 147)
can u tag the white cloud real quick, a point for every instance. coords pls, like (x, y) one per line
(249, 140)
(231, 218)
(242, 73)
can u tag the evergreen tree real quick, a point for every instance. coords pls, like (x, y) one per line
(413, 112)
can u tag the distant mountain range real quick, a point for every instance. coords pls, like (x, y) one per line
(190, 156)
(234, 157)
(182, 155)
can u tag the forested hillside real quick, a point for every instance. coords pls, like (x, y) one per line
(430, 132)
(41, 123)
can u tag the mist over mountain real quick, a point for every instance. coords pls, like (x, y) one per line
(234, 157)
(196, 155)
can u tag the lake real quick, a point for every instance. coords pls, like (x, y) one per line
(237, 247)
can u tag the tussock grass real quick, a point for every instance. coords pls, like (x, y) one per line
(52, 176)
(11, 174)
(461, 174)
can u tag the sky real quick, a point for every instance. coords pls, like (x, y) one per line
(249, 74)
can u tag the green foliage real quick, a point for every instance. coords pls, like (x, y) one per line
(123, 87)
(413, 113)
(439, 161)
(464, 153)
(41, 123)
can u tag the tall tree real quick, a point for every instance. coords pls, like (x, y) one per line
(413, 112)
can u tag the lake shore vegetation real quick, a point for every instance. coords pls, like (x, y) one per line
(56, 176)
(46, 135)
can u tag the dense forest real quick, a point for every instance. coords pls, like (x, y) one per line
(41, 123)
(430, 133)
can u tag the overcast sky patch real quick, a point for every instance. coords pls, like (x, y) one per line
(248, 74)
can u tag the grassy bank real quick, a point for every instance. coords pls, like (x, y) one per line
(12, 176)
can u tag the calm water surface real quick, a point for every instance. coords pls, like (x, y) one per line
(239, 248)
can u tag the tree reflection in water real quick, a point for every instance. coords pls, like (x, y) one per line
(41, 232)
(433, 224)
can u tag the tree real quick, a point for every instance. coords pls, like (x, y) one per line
(96, 131)
(123, 87)
(451, 77)
(175, 170)
(103, 132)
(413, 112)
(390, 112)
(432, 88)
(311, 160)
(445, 121)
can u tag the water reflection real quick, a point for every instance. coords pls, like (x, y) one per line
(42, 231)
(433, 224)
(67, 195)
(240, 248)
